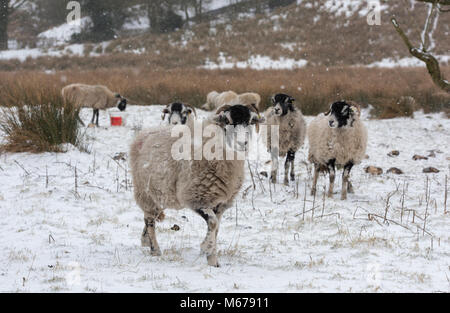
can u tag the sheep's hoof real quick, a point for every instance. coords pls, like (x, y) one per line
(155, 252)
(273, 179)
(292, 177)
(313, 192)
(212, 260)
(330, 195)
(343, 197)
(286, 182)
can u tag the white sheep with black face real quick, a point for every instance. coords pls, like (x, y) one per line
(337, 138)
(207, 185)
(97, 97)
(292, 132)
(179, 114)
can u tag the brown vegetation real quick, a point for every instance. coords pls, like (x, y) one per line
(314, 88)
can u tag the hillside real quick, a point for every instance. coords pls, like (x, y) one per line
(327, 33)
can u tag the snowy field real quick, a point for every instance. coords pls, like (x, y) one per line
(62, 232)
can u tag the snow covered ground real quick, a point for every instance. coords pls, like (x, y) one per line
(257, 62)
(58, 235)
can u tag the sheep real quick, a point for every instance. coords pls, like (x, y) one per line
(206, 186)
(215, 100)
(291, 136)
(179, 113)
(249, 98)
(97, 97)
(337, 137)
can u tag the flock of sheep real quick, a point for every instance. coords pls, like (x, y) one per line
(337, 138)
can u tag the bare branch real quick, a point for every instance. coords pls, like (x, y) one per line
(430, 61)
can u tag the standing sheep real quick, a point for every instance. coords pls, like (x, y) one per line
(215, 100)
(337, 137)
(96, 97)
(250, 98)
(292, 132)
(179, 113)
(206, 186)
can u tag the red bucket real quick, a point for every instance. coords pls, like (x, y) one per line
(117, 118)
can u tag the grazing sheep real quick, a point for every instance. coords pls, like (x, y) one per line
(337, 137)
(215, 100)
(96, 97)
(207, 186)
(291, 136)
(249, 98)
(179, 113)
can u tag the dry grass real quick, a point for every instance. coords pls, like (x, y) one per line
(35, 118)
(314, 88)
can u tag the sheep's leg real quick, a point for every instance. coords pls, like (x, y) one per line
(287, 165)
(345, 180)
(332, 173)
(148, 238)
(98, 113)
(292, 158)
(316, 177)
(219, 212)
(208, 245)
(273, 175)
(93, 116)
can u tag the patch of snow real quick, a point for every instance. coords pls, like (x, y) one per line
(257, 62)
(62, 34)
(87, 239)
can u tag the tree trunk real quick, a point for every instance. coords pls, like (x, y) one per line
(4, 18)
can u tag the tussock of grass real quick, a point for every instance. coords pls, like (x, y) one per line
(36, 119)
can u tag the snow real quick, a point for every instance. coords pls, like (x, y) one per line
(257, 62)
(407, 62)
(87, 239)
(139, 23)
(62, 34)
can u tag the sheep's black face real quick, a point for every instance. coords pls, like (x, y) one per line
(282, 104)
(340, 115)
(236, 121)
(122, 104)
(178, 113)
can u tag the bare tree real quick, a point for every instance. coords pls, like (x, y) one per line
(423, 53)
(7, 7)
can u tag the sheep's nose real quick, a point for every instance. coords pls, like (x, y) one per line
(331, 123)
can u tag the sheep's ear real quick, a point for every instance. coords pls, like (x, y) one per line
(327, 113)
(165, 111)
(272, 99)
(189, 111)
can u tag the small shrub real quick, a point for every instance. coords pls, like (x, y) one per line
(36, 119)
(40, 128)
